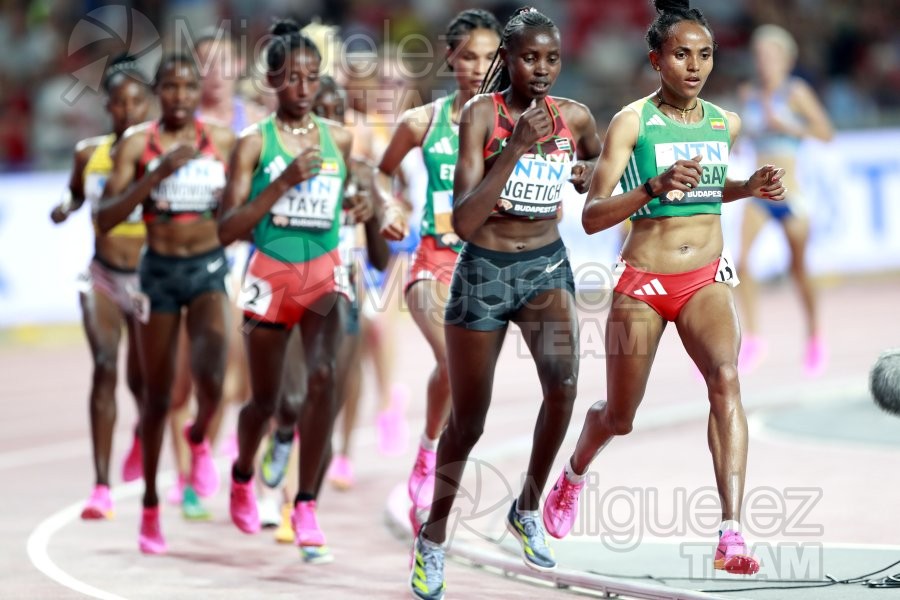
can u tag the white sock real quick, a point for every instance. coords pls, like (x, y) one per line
(733, 525)
(429, 544)
(571, 475)
(428, 443)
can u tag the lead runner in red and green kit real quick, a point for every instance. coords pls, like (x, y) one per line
(669, 151)
(288, 175)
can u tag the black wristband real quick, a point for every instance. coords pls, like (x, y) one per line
(649, 189)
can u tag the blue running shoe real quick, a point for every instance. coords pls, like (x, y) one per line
(529, 532)
(426, 581)
(275, 460)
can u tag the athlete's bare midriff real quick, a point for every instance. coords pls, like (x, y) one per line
(674, 244)
(121, 252)
(509, 234)
(183, 239)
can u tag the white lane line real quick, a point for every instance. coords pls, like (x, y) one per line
(39, 542)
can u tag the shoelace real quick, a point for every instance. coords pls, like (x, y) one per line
(280, 451)
(568, 496)
(433, 559)
(534, 532)
(421, 465)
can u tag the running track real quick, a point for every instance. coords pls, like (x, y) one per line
(45, 467)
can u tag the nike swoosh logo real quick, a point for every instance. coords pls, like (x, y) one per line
(214, 265)
(551, 268)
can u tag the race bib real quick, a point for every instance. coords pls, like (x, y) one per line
(714, 162)
(726, 272)
(194, 188)
(311, 205)
(140, 306)
(255, 295)
(534, 189)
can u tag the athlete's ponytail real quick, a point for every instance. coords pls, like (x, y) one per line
(287, 37)
(526, 17)
(670, 13)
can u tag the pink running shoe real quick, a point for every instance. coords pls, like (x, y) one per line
(561, 506)
(306, 527)
(732, 555)
(99, 505)
(204, 476)
(133, 467)
(753, 351)
(393, 430)
(340, 473)
(150, 540)
(421, 481)
(816, 358)
(175, 495)
(242, 506)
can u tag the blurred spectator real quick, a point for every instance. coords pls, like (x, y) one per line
(849, 52)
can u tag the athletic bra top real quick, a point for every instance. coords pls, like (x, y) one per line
(192, 192)
(534, 189)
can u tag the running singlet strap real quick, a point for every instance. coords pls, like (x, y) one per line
(192, 192)
(440, 149)
(304, 223)
(534, 189)
(95, 174)
(663, 141)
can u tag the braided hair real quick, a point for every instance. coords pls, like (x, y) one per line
(524, 18)
(126, 66)
(468, 21)
(669, 14)
(287, 37)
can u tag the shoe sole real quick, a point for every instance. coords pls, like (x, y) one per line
(412, 589)
(316, 555)
(511, 528)
(737, 565)
(95, 514)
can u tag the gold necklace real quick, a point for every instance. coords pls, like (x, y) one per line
(683, 111)
(296, 130)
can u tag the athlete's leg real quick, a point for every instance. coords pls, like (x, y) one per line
(266, 347)
(471, 361)
(206, 324)
(180, 411)
(796, 229)
(708, 326)
(633, 331)
(134, 374)
(754, 219)
(103, 326)
(159, 343)
(550, 328)
(349, 386)
(426, 301)
(322, 329)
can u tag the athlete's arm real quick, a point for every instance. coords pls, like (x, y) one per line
(805, 102)
(73, 197)
(764, 183)
(475, 192)
(360, 205)
(242, 164)
(121, 194)
(408, 135)
(588, 145)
